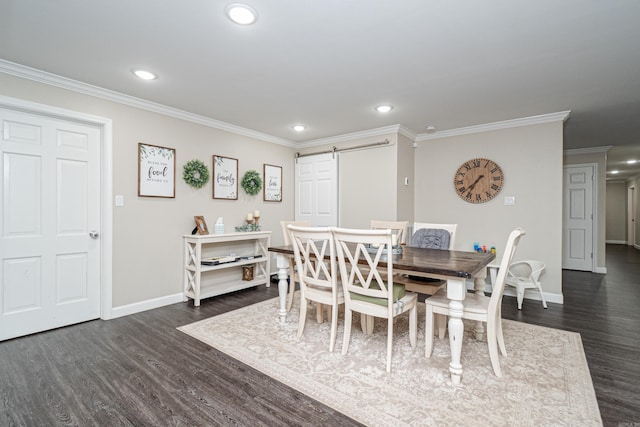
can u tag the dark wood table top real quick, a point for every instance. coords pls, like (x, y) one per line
(431, 261)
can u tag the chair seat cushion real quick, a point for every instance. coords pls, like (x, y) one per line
(398, 293)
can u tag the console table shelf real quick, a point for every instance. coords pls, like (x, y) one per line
(204, 281)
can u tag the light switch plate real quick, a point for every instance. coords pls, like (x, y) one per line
(509, 200)
(119, 200)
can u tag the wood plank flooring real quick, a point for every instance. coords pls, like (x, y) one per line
(140, 371)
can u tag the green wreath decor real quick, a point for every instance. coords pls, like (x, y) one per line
(251, 182)
(196, 173)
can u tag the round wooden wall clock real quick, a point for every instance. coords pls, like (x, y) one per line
(478, 180)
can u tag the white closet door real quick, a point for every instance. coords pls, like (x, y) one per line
(50, 204)
(317, 189)
(578, 218)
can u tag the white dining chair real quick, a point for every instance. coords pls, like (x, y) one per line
(292, 264)
(365, 290)
(398, 229)
(478, 307)
(315, 257)
(525, 275)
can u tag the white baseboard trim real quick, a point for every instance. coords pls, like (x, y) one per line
(616, 242)
(600, 270)
(137, 307)
(533, 295)
(636, 246)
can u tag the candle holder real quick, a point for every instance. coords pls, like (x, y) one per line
(251, 224)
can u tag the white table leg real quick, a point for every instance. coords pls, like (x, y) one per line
(479, 285)
(456, 291)
(282, 262)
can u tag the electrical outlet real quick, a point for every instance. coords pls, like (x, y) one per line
(509, 200)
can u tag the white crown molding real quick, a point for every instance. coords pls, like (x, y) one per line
(351, 136)
(588, 150)
(407, 132)
(506, 124)
(29, 73)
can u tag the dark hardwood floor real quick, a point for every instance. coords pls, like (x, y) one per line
(140, 371)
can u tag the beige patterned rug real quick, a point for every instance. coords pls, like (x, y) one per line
(545, 381)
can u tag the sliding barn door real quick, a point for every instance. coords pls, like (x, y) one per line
(317, 189)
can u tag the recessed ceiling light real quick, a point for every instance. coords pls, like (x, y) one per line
(298, 128)
(384, 108)
(615, 172)
(632, 162)
(241, 13)
(145, 75)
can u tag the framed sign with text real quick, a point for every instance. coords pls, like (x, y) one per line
(225, 178)
(156, 171)
(272, 183)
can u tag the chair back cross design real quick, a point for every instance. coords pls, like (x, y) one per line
(315, 258)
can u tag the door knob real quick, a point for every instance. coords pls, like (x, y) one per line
(94, 234)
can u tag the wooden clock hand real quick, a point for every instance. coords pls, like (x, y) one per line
(475, 182)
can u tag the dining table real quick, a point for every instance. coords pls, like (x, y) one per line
(456, 267)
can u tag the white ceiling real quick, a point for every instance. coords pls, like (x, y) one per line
(328, 63)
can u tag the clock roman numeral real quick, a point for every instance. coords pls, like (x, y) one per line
(478, 197)
(494, 187)
(497, 178)
(461, 190)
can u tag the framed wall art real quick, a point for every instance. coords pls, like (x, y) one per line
(156, 171)
(272, 183)
(225, 178)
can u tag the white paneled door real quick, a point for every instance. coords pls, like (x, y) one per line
(317, 189)
(50, 205)
(577, 226)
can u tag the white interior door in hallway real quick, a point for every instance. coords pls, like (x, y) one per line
(50, 204)
(317, 189)
(577, 224)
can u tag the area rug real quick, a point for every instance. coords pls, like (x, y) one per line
(545, 380)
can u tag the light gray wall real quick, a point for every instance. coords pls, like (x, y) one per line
(406, 164)
(147, 232)
(372, 185)
(531, 159)
(616, 228)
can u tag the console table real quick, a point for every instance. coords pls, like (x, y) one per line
(224, 255)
